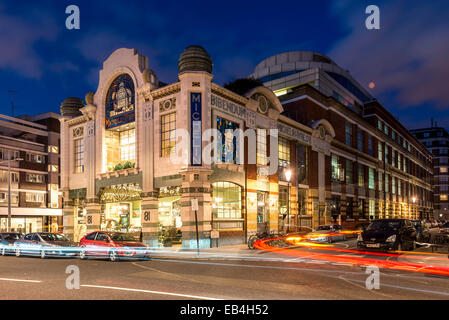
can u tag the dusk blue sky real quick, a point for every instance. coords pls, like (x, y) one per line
(407, 59)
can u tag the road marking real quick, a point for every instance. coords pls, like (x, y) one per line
(408, 288)
(150, 291)
(20, 280)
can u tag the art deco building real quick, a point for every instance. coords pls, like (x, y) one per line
(436, 139)
(119, 172)
(31, 146)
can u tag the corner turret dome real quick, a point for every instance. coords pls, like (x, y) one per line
(71, 106)
(195, 58)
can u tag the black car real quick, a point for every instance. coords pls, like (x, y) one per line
(422, 231)
(7, 240)
(45, 244)
(388, 234)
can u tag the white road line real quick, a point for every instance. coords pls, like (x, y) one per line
(20, 280)
(150, 291)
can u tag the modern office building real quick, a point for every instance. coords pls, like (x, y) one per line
(29, 150)
(373, 167)
(436, 139)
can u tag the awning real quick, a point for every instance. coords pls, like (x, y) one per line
(31, 212)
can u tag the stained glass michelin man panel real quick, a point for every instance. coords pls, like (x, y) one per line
(227, 142)
(120, 102)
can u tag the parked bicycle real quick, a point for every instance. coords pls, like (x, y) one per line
(262, 236)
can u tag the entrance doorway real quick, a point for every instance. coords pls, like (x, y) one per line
(170, 222)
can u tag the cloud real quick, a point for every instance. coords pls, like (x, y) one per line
(19, 36)
(407, 57)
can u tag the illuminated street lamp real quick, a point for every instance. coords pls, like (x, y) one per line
(288, 176)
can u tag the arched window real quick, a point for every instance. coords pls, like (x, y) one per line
(227, 200)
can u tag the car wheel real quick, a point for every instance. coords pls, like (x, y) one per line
(18, 252)
(43, 255)
(113, 256)
(83, 254)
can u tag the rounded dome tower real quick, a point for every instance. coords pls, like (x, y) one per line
(71, 106)
(195, 58)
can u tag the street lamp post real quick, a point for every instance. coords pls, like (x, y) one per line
(9, 188)
(288, 175)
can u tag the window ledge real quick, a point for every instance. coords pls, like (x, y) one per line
(117, 173)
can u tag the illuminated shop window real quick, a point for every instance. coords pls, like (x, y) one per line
(371, 178)
(35, 197)
(14, 197)
(284, 153)
(53, 149)
(381, 181)
(380, 154)
(227, 147)
(168, 125)
(4, 176)
(261, 147)
(37, 158)
(78, 153)
(349, 172)
(127, 145)
(338, 173)
(443, 197)
(227, 202)
(32, 177)
(361, 175)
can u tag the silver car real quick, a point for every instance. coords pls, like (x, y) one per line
(45, 244)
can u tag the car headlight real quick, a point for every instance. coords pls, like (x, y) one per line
(359, 238)
(391, 238)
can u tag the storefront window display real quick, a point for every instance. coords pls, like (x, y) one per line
(122, 216)
(22, 225)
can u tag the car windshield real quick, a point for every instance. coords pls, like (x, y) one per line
(384, 225)
(121, 237)
(53, 237)
(12, 236)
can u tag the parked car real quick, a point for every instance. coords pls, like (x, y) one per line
(327, 233)
(7, 240)
(112, 245)
(444, 229)
(388, 234)
(45, 244)
(422, 231)
(362, 226)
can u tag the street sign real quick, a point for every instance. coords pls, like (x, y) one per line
(215, 234)
(195, 204)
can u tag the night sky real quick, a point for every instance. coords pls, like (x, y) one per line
(407, 59)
